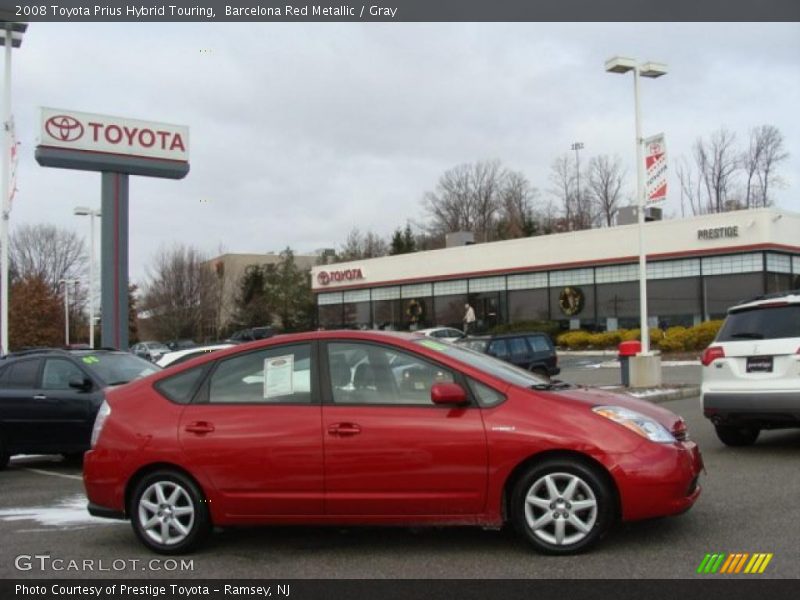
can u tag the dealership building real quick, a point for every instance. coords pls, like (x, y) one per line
(696, 268)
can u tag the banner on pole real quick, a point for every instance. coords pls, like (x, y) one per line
(655, 162)
(13, 160)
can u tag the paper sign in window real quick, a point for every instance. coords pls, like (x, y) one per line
(278, 373)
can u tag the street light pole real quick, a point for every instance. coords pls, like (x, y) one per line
(67, 283)
(652, 70)
(84, 211)
(577, 146)
(10, 37)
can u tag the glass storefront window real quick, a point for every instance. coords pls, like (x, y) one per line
(357, 315)
(330, 316)
(450, 311)
(528, 305)
(723, 291)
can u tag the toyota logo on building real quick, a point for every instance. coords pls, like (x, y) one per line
(64, 128)
(326, 277)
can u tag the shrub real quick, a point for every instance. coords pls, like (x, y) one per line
(574, 340)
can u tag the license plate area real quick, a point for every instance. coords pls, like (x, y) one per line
(759, 364)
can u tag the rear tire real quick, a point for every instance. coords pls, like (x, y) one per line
(563, 506)
(169, 513)
(737, 435)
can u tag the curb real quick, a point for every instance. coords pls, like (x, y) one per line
(689, 391)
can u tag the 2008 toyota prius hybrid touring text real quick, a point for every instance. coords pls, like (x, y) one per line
(378, 428)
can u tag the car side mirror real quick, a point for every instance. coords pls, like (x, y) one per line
(83, 384)
(448, 393)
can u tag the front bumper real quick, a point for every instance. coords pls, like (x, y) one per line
(658, 480)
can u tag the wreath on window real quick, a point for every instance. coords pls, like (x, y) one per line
(414, 311)
(571, 301)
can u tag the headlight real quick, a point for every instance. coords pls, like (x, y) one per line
(99, 420)
(644, 426)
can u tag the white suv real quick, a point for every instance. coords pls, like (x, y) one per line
(751, 372)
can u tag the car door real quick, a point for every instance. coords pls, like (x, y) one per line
(72, 410)
(389, 451)
(520, 353)
(26, 419)
(253, 428)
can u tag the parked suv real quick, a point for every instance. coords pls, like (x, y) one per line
(49, 398)
(751, 372)
(533, 351)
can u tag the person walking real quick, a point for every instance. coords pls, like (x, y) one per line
(469, 319)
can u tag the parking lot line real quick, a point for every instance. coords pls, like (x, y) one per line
(52, 473)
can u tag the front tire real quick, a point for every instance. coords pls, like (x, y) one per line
(737, 435)
(562, 506)
(169, 513)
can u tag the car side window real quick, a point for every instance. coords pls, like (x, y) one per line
(518, 347)
(58, 372)
(181, 387)
(279, 375)
(372, 374)
(498, 348)
(486, 396)
(538, 343)
(22, 374)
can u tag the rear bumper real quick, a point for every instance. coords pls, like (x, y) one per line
(778, 407)
(107, 513)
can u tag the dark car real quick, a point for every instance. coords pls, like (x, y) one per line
(251, 334)
(49, 398)
(533, 351)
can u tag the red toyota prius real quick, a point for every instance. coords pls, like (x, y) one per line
(374, 428)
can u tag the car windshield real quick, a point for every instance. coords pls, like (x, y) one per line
(498, 368)
(118, 368)
(762, 323)
(157, 346)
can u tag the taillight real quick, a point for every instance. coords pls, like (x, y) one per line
(711, 354)
(99, 421)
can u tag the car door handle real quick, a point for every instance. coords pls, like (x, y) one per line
(200, 427)
(344, 429)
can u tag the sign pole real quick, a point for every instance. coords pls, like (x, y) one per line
(114, 262)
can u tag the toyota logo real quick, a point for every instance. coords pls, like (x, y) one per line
(64, 128)
(324, 278)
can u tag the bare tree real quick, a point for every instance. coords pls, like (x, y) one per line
(562, 176)
(358, 246)
(605, 184)
(690, 187)
(578, 212)
(180, 296)
(467, 198)
(47, 253)
(517, 215)
(717, 162)
(765, 152)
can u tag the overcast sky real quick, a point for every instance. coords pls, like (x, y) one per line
(300, 132)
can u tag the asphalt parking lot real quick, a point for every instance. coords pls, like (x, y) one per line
(749, 504)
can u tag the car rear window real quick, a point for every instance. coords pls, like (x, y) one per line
(762, 323)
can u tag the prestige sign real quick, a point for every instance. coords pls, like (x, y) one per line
(105, 134)
(327, 277)
(714, 233)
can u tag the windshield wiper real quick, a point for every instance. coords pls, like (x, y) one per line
(750, 335)
(123, 382)
(552, 385)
